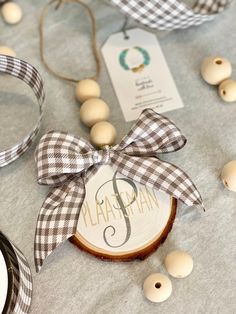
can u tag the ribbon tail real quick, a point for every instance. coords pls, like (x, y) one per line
(159, 175)
(58, 218)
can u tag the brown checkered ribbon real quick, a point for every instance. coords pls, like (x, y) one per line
(67, 162)
(21, 294)
(171, 14)
(28, 74)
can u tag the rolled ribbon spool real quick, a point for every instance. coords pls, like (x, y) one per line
(171, 14)
(28, 74)
(16, 279)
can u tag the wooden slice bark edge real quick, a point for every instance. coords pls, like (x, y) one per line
(140, 254)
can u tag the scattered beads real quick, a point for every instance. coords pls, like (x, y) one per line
(214, 70)
(228, 175)
(157, 287)
(11, 12)
(4, 50)
(227, 90)
(179, 264)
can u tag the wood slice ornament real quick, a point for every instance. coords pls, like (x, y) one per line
(114, 202)
(122, 220)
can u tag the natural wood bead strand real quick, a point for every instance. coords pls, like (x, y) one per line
(86, 89)
(94, 110)
(103, 133)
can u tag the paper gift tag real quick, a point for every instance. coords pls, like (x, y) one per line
(139, 73)
(121, 219)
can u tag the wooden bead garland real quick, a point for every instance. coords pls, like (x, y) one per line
(94, 112)
(11, 12)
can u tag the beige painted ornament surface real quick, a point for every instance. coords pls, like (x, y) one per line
(179, 264)
(86, 89)
(94, 110)
(228, 175)
(121, 219)
(4, 50)
(214, 70)
(227, 90)
(157, 288)
(103, 133)
(11, 12)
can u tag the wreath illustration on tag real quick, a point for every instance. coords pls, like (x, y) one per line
(134, 59)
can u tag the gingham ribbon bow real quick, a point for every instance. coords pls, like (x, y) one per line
(67, 162)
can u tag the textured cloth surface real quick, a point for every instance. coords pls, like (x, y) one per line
(72, 281)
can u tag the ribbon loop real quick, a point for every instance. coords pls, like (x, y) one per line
(59, 156)
(68, 162)
(152, 134)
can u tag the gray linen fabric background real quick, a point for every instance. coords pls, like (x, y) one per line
(72, 281)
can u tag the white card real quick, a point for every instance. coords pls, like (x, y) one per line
(139, 73)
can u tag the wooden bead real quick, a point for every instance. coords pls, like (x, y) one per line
(4, 50)
(228, 175)
(11, 12)
(103, 133)
(87, 89)
(179, 264)
(227, 90)
(157, 287)
(214, 70)
(94, 110)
